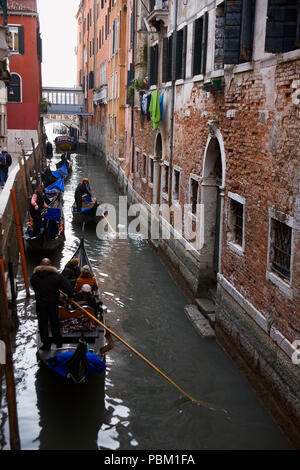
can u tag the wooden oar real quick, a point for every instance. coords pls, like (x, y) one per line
(200, 402)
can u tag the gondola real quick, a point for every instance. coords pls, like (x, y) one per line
(52, 234)
(63, 170)
(65, 142)
(83, 339)
(91, 212)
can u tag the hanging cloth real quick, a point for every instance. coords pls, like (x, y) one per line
(161, 106)
(154, 110)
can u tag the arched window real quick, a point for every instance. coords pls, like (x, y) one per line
(14, 89)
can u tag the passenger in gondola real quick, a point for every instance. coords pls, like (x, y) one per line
(46, 283)
(37, 205)
(85, 297)
(86, 277)
(71, 271)
(82, 189)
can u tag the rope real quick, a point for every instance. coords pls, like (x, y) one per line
(199, 402)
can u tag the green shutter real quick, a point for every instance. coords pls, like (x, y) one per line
(204, 44)
(21, 39)
(179, 50)
(197, 46)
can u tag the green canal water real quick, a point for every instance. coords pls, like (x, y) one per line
(133, 407)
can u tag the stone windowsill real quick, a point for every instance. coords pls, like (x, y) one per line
(237, 249)
(282, 285)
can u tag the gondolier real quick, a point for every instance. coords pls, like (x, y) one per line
(82, 189)
(37, 204)
(46, 283)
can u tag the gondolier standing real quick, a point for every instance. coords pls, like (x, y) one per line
(82, 188)
(46, 283)
(37, 204)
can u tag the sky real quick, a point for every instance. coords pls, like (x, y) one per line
(59, 32)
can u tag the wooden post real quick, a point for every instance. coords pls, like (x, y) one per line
(11, 276)
(9, 369)
(26, 171)
(37, 163)
(23, 180)
(20, 240)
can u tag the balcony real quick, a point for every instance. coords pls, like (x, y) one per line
(159, 12)
(100, 95)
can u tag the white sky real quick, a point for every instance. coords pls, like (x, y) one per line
(59, 32)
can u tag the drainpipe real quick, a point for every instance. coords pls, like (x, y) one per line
(174, 47)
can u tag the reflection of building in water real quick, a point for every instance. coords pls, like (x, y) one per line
(70, 415)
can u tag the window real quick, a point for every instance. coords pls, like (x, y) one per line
(239, 27)
(144, 173)
(165, 178)
(235, 233)
(280, 249)
(194, 190)
(137, 160)
(181, 40)
(151, 169)
(200, 45)
(91, 79)
(14, 89)
(167, 59)
(176, 185)
(16, 39)
(283, 26)
(153, 64)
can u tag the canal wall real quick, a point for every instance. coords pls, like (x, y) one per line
(261, 353)
(22, 181)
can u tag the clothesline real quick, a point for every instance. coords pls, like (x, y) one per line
(151, 104)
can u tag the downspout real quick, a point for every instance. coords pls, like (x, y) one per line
(174, 47)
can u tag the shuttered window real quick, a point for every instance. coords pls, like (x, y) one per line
(181, 38)
(39, 46)
(200, 45)
(167, 59)
(239, 27)
(153, 64)
(16, 40)
(91, 79)
(283, 28)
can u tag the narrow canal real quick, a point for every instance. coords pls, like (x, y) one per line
(134, 408)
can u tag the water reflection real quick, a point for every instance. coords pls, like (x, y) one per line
(69, 416)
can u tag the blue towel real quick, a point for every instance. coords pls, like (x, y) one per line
(59, 363)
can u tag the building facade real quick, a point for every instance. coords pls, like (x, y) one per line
(227, 142)
(25, 87)
(220, 150)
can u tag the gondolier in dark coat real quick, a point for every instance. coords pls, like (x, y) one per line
(46, 283)
(37, 205)
(82, 188)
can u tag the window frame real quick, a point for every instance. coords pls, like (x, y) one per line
(233, 243)
(284, 285)
(21, 89)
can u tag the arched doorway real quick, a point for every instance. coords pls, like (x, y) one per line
(158, 151)
(213, 183)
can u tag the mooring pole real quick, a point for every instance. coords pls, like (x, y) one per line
(20, 240)
(8, 367)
